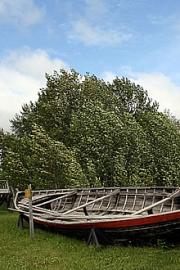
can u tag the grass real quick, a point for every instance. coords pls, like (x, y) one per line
(54, 251)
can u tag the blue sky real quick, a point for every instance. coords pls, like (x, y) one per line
(139, 39)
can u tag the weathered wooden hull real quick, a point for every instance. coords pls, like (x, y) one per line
(115, 214)
(146, 231)
(151, 220)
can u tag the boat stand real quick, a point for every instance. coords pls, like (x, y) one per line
(20, 222)
(92, 239)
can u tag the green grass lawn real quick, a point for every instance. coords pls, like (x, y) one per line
(54, 251)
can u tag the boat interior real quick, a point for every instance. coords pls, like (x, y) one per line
(103, 202)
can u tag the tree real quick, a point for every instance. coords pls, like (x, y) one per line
(84, 131)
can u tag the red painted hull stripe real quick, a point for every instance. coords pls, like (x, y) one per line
(135, 222)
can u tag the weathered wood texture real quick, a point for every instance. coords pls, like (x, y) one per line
(103, 201)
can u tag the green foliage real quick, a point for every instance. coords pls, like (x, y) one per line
(164, 140)
(39, 160)
(132, 98)
(95, 136)
(84, 131)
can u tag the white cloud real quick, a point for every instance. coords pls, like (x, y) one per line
(159, 86)
(127, 4)
(21, 77)
(94, 35)
(159, 19)
(93, 25)
(109, 76)
(20, 12)
(163, 89)
(171, 22)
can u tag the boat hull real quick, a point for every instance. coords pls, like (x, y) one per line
(146, 230)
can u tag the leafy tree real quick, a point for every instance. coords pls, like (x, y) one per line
(84, 131)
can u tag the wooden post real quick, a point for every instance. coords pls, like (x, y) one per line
(28, 194)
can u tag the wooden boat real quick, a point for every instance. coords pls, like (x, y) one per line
(110, 214)
(4, 192)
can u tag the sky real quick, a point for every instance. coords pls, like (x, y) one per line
(138, 39)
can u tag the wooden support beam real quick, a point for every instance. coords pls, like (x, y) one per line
(92, 239)
(20, 221)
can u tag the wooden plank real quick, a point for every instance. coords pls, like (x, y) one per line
(80, 198)
(172, 204)
(55, 199)
(89, 217)
(41, 197)
(63, 206)
(162, 205)
(125, 201)
(144, 200)
(117, 201)
(177, 192)
(110, 199)
(134, 202)
(96, 194)
(100, 205)
(113, 210)
(92, 202)
(58, 216)
(38, 209)
(153, 199)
